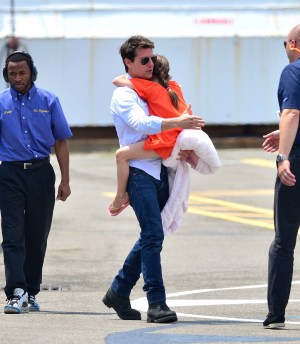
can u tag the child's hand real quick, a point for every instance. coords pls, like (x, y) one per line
(189, 156)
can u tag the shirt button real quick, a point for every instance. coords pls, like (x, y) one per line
(25, 131)
(23, 117)
(23, 104)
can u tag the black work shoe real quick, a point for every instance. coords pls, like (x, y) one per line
(274, 321)
(121, 305)
(159, 312)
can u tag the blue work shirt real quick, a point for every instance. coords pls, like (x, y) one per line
(289, 90)
(30, 124)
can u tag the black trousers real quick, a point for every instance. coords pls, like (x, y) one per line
(27, 200)
(281, 254)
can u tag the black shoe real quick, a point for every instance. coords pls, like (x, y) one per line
(274, 321)
(159, 312)
(121, 305)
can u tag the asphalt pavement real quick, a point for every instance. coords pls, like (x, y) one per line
(214, 265)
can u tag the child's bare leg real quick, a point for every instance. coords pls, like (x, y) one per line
(134, 151)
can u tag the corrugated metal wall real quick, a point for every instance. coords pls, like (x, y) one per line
(228, 80)
(227, 55)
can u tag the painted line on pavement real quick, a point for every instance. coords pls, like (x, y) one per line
(260, 163)
(227, 210)
(142, 304)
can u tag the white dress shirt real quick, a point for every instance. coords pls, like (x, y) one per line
(133, 124)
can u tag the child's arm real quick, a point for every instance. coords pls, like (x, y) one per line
(122, 81)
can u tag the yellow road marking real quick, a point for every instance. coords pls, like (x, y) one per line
(252, 192)
(228, 217)
(260, 162)
(230, 205)
(200, 204)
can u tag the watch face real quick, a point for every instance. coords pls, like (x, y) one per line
(281, 157)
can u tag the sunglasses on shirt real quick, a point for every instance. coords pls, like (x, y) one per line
(145, 60)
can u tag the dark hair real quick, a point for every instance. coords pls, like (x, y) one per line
(128, 49)
(161, 71)
(19, 57)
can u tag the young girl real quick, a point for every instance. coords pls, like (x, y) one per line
(165, 99)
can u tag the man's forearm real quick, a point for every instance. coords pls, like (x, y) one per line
(169, 123)
(62, 154)
(288, 125)
(184, 121)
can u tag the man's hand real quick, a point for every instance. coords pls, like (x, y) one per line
(271, 143)
(186, 121)
(284, 173)
(63, 192)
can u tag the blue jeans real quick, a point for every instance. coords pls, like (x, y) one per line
(147, 198)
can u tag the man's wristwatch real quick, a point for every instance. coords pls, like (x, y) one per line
(281, 157)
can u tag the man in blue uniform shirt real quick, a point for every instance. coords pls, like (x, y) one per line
(31, 123)
(287, 187)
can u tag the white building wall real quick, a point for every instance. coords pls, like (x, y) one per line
(227, 61)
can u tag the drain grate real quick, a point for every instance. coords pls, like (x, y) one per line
(50, 288)
(55, 288)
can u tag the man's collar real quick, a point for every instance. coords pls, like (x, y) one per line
(17, 94)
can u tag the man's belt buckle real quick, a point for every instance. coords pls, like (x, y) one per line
(26, 164)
